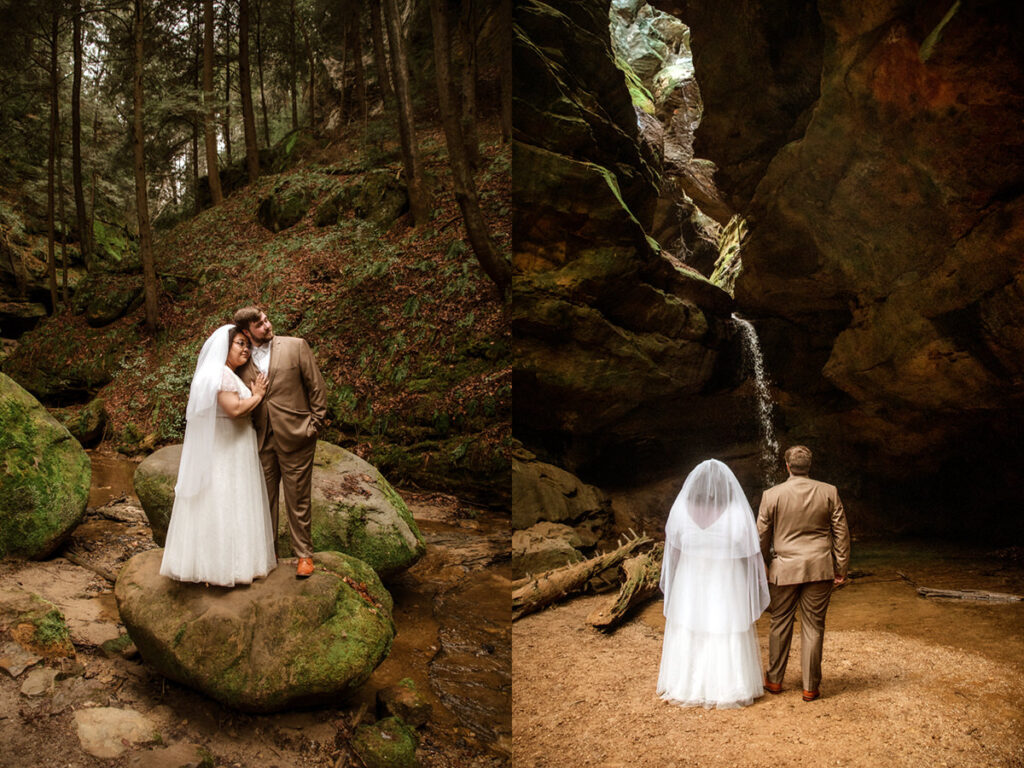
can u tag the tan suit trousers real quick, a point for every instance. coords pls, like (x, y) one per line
(811, 597)
(292, 471)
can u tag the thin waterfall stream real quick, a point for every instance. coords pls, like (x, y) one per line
(753, 358)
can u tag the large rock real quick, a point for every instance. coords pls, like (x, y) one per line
(284, 206)
(617, 344)
(355, 510)
(276, 644)
(31, 628)
(389, 743)
(44, 486)
(544, 492)
(543, 547)
(107, 732)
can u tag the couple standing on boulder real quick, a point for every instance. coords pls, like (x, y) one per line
(224, 521)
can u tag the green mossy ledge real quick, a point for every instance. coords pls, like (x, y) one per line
(276, 644)
(44, 483)
(354, 509)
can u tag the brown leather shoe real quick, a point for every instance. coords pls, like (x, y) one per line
(305, 569)
(811, 695)
(772, 687)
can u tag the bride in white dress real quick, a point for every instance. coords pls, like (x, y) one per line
(715, 588)
(220, 531)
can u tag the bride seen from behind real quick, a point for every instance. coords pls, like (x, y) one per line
(713, 579)
(220, 530)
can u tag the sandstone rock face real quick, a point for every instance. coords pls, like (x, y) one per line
(616, 343)
(355, 510)
(544, 492)
(876, 149)
(276, 644)
(44, 486)
(543, 547)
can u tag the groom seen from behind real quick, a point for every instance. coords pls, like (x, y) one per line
(287, 423)
(806, 546)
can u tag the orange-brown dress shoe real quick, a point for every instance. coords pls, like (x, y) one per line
(772, 687)
(811, 695)
(305, 569)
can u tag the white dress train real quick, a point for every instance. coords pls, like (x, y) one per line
(223, 535)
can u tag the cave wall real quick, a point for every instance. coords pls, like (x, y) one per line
(884, 263)
(626, 361)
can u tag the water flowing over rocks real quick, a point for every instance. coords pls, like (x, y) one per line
(278, 643)
(44, 486)
(355, 510)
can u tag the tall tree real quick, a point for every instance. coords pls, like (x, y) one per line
(469, 31)
(355, 43)
(259, 68)
(419, 203)
(149, 281)
(383, 75)
(51, 261)
(63, 223)
(81, 215)
(293, 72)
(212, 167)
(227, 80)
(505, 67)
(252, 151)
(465, 187)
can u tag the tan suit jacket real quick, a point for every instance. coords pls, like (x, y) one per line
(804, 521)
(296, 401)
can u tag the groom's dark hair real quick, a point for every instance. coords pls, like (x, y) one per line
(246, 316)
(798, 459)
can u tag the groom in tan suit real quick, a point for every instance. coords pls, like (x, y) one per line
(287, 423)
(806, 545)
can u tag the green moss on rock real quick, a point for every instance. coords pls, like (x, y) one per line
(388, 743)
(44, 486)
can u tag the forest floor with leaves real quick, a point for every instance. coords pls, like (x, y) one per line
(907, 682)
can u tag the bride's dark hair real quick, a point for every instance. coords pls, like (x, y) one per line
(234, 332)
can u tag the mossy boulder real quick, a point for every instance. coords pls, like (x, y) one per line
(86, 424)
(284, 207)
(355, 510)
(405, 702)
(276, 644)
(154, 482)
(380, 198)
(388, 743)
(44, 486)
(35, 624)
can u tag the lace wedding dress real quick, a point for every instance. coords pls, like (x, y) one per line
(715, 588)
(220, 531)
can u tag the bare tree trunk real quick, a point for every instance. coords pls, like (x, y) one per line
(383, 75)
(227, 80)
(149, 282)
(343, 95)
(51, 261)
(468, 31)
(259, 66)
(312, 77)
(63, 221)
(196, 37)
(505, 37)
(212, 168)
(640, 579)
(356, 45)
(93, 179)
(293, 71)
(252, 152)
(465, 187)
(195, 168)
(418, 202)
(81, 215)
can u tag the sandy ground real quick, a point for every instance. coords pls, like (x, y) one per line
(907, 682)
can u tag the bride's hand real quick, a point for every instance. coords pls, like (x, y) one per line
(259, 387)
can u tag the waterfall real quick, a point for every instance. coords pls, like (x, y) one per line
(754, 360)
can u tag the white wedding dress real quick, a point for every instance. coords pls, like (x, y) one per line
(220, 531)
(715, 588)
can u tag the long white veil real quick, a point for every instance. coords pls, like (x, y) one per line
(713, 575)
(201, 415)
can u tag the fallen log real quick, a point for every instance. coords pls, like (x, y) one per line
(963, 594)
(640, 577)
(533, 593)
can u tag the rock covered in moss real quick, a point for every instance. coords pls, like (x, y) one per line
(278, 643)
(354, 509)
(405, 702)
(284, 207)
(35, 625)
(388, 743)
(44, 486)
(86, 424)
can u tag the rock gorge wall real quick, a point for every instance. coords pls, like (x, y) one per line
(876, 149)
(627, 364)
